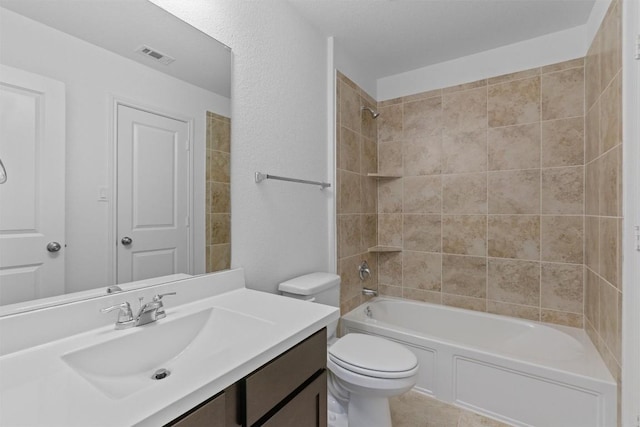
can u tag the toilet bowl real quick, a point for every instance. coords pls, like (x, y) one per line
(364, 370)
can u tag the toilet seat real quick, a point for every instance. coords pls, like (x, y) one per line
(373, 357)
(354, 382)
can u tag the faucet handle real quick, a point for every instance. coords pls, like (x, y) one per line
(125, 316)
(159, 296)
(364, 271)
(160, 314)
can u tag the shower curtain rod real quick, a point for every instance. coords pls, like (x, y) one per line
(262, 176)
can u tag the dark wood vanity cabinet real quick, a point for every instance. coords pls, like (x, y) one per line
(210, 413)
(222, 410)
(279, 381)
(290, 390)
(307, 409)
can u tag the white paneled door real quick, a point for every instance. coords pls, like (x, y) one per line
(32, 200)
(152, 195)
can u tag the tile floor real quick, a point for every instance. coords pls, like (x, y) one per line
(414, 409)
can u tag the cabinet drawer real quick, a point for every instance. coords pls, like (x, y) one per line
(307, 409)
(211, 414)
(273, 382)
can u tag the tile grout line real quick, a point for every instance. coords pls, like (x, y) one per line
(584, 194)
(441, 201)
(402, 105)
(598, 158)
(486, 231)
(540, 203)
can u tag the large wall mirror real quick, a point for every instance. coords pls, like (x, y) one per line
(115, 138)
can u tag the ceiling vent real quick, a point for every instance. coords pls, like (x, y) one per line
(155, 55)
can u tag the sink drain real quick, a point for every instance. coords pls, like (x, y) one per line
(160, 374)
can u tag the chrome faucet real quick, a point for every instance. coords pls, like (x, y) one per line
(151, 311)
(148, 313)
(365, 272)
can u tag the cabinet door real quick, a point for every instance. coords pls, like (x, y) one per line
(271, 384)
(210, 414)
(307, 409)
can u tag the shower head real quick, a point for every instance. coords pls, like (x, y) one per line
(373, 112)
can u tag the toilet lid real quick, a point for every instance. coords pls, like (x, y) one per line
(383, 358)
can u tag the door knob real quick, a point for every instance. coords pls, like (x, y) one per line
(126, 241)
(54, 246)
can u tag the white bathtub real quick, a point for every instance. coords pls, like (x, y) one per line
(521, 372)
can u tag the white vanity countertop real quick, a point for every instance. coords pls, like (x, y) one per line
(38, 388)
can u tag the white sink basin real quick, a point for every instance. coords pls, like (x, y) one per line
(125, 363)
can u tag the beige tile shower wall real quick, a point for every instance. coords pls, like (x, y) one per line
(490, 207)
(603, 194)
(356, 152)
(218, 200)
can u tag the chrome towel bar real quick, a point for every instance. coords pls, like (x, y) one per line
(262, 176)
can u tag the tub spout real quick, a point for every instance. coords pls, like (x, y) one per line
(369, 292)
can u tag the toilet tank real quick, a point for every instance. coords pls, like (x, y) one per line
(322, 288)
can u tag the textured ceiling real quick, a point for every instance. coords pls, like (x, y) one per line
(393, 36)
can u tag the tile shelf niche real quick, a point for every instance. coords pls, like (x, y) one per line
(385, 249)
(383, 176)
(380, 249)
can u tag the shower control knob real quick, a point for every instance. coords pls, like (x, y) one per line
(54, 246)
(126, 241)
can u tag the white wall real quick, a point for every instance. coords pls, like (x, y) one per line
(91, 76)
(362, 75)
(548, 49)
(279, 126)
(544, 50)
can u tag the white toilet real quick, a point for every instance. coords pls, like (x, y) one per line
(364, 370)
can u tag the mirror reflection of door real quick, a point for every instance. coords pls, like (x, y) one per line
(93, 48)
(32, 200)
(153, 221)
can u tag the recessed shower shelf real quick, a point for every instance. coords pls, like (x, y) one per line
(385, 249)
(383, 176)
